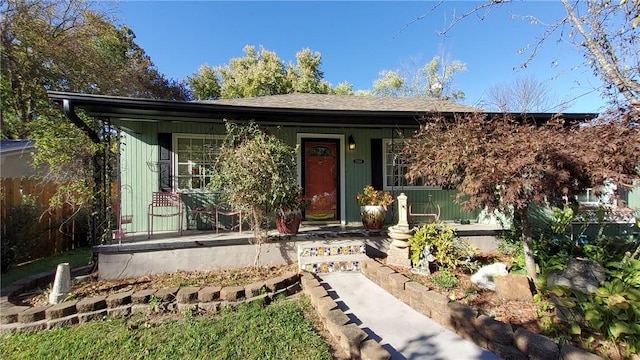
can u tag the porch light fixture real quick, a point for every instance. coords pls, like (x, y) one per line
(352, 143)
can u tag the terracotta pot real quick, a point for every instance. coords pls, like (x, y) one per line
(288, 222)
(372, 217)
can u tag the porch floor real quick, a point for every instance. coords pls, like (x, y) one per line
(164, 240)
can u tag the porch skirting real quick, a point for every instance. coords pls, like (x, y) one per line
(134, 260)
(206, 251)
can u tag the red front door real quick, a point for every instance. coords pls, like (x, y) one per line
(320, 178)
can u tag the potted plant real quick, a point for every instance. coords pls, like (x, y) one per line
(289, 214)
(373, 207)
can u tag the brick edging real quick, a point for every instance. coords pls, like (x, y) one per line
(493, 335)
(185, 300)
(349, 335)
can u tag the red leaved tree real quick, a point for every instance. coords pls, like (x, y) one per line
(507, 163)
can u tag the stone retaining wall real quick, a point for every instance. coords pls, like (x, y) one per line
(349, 335)
(498, 337)
(183, 300)
(180, 300)
(493, 335)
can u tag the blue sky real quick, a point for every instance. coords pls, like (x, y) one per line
(358, 39)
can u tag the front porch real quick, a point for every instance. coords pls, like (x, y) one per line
(195, 250)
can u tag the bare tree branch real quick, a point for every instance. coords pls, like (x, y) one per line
(605, 32)
(602, 50)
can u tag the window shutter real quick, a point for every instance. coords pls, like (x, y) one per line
(164, 161)
(377, 178)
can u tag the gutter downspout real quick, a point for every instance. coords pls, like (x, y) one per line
(70, 112)
(98, 173)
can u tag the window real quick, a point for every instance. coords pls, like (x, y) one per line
(396, 168)
(195, 156)
(609, 195)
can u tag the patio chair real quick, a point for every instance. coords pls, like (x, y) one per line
(164, 204)
(226, 210)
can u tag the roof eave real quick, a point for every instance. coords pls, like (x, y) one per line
(128, 109)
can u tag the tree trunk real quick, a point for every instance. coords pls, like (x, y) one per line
(527, 243)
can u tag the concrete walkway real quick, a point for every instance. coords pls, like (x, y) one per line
(402, 331)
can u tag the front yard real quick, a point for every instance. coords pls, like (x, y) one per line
(278, 331)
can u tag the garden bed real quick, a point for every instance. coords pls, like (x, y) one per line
(519, 313)
(92, 286)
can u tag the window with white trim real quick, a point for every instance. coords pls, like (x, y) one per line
(195, 156)
(396, 168)
(609, 194)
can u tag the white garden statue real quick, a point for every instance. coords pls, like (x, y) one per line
(484, 278)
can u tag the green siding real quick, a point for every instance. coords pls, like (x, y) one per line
(140, 153)
(634, 199)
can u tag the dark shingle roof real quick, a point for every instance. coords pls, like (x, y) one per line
(350, 103)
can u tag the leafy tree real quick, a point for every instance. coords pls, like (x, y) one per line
(260, 73)
(434, 79)
(256, 74)
(508, 163)
(390, 83)
(305, 76)
(439, 78)
(605, 32)
(343, 88)
(65, 45)
(205, 83)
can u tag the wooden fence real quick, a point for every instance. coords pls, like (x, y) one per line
(55, 230)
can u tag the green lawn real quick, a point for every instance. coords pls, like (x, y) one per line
(78, 257)
(277, 331)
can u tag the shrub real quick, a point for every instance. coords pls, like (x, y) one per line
(613, 310)
(22, 232)
(445, 279)
(448, 250)
(256, 171)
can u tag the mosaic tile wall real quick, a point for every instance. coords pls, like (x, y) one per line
(331, 257)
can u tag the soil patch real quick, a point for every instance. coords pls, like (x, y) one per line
(92, 286)
(519, 313)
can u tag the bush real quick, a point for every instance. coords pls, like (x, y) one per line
(448, 250)
(445, 279)
(256, 171)
(612, 312)
(22, 232)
